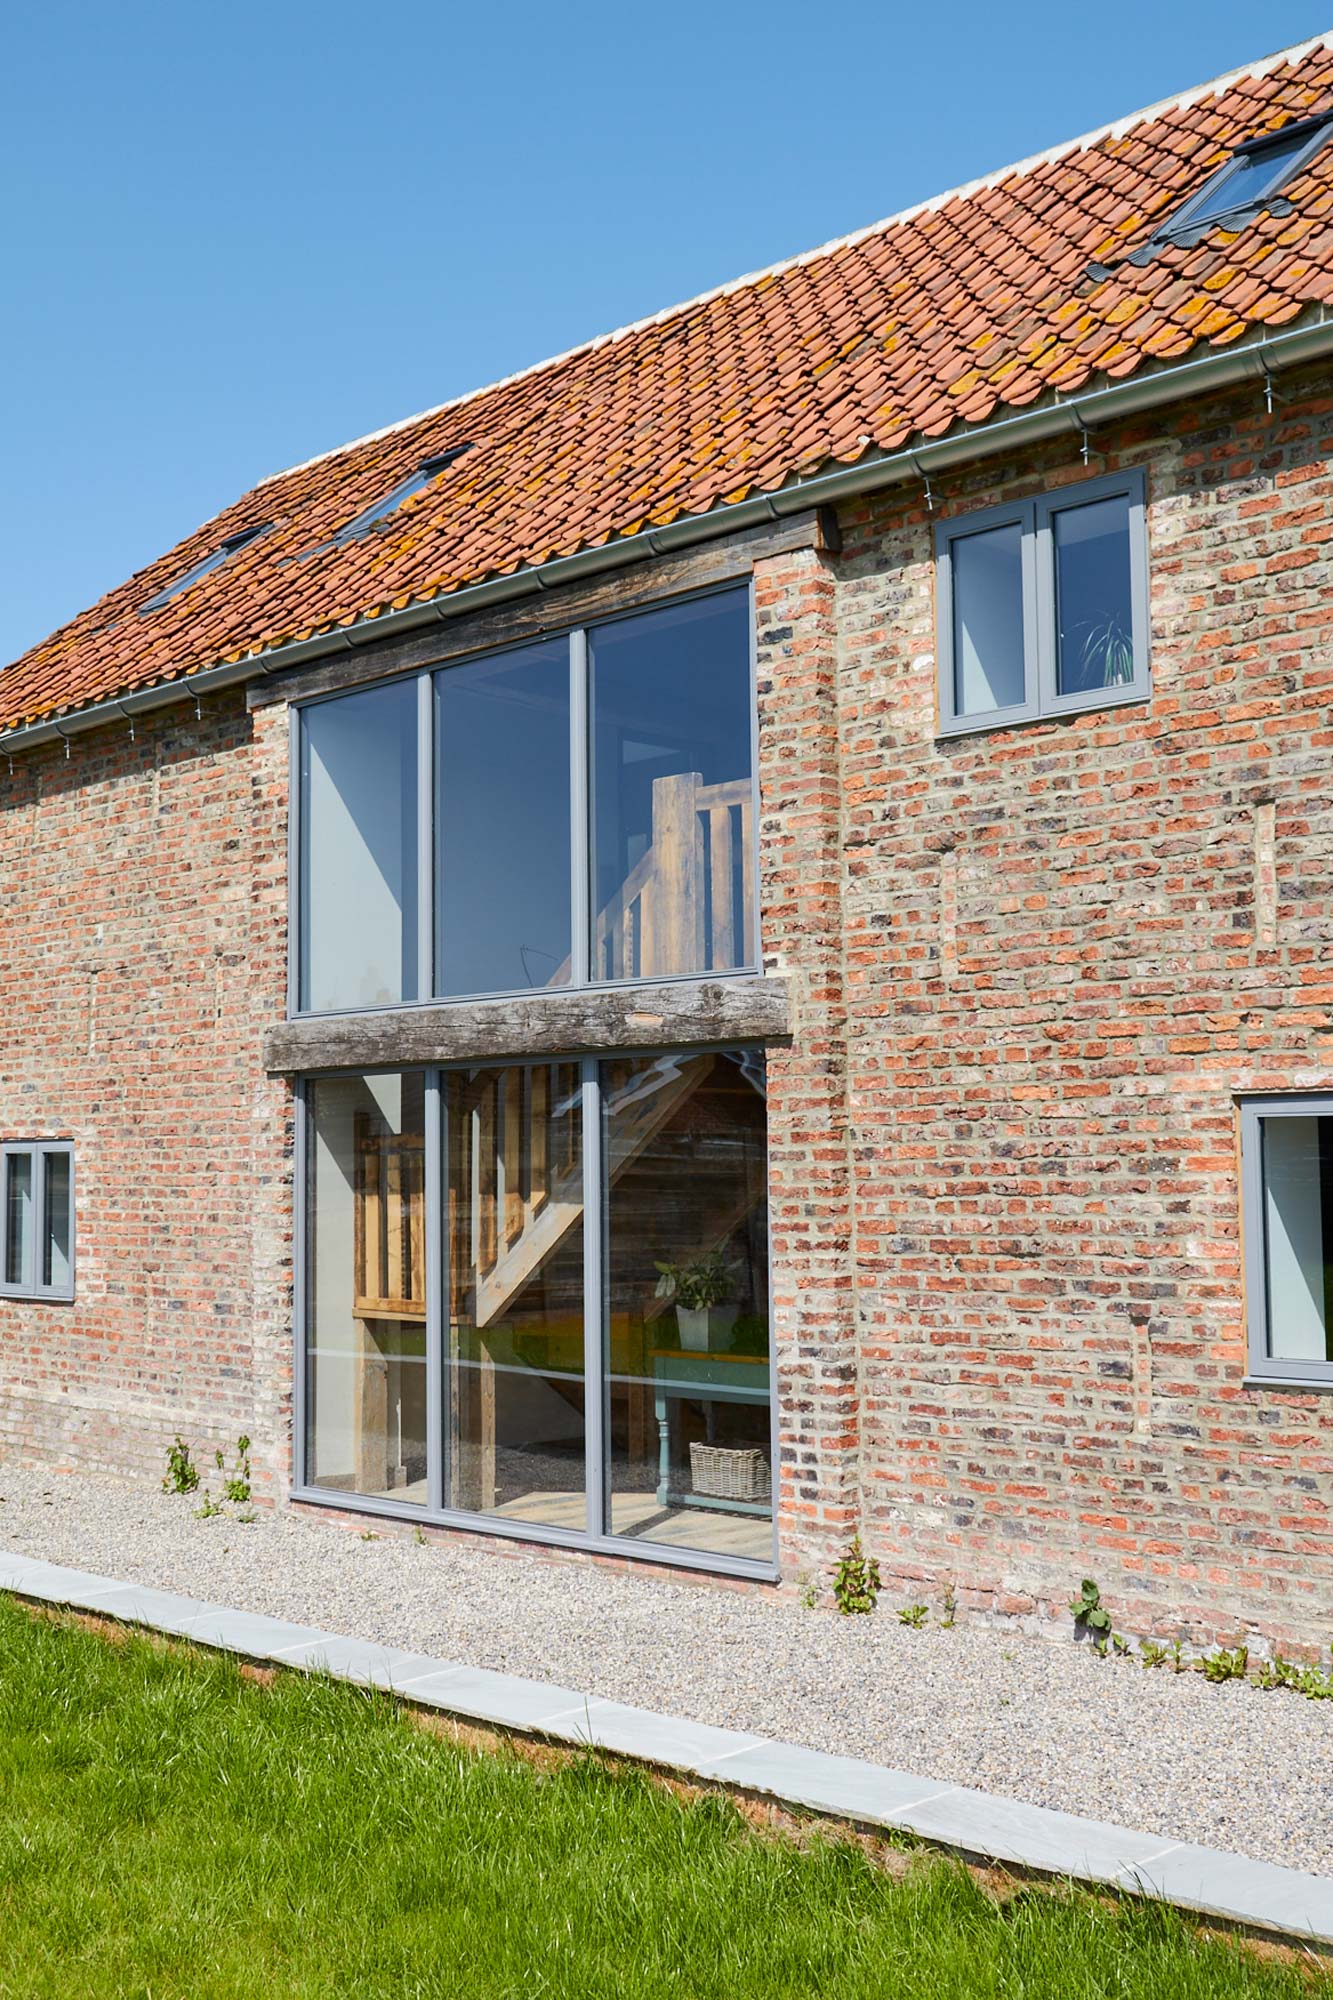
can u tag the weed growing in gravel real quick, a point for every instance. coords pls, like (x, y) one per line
(207, 1507)
(855, 1579)
(418, 1536)
(914, 1615)
(1225, 1666)
(369, 1535)
(1090, 1615)
(236, 1485)
(809, 1593)
(182, 1474)
(950, 1618)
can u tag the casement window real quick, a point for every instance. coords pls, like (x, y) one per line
(535, 1300)
(577, 811)
(1042, 606)
(37, 1220)
(1287, 1176)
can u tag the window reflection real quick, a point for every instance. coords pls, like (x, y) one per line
(366, 1271)
(673, 817)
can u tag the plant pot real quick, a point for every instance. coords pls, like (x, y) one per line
(692, 1322)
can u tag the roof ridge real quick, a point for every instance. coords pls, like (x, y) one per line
(1117, 128)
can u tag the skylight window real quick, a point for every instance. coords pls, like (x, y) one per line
(1250, 180)
(222, 553)
(416, 482)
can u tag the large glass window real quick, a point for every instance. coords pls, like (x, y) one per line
(358, 877)
(687, 1340)
(673, 819)
(37, 1219)
(366, 1287)
(575, 1277)
(502, 822)
(1287, 1153)
(1043, 606)
(516, 1324)
(590, 817)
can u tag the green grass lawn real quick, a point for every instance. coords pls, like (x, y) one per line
(170, 1828)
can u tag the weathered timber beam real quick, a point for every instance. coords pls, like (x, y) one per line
(674, 1014)
(726, 560)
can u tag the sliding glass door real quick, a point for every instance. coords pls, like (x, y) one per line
(537, 1298)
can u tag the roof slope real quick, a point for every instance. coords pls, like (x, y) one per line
(977, 302)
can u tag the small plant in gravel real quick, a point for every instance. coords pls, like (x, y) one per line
(809, 1593)
(914, 1615)
(207, 1507)
(1091, 1618)
(236, 1483)
(855, 1579)
(182, 1474)
(369, 1535)
(1226, 1666)
(1278, 1673)
(418, 1536)
(1179, 1664)
(950, 1618)
(1153, 1655)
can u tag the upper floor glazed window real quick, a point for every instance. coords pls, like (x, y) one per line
(575, 811)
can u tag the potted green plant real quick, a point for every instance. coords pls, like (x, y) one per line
(696, 1290)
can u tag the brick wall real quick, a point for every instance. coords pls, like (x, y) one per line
(142, 951)
(1033, 967)
(1065, 947)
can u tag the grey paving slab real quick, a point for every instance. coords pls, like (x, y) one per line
(360, 1660)
(56, 1585)
(1231, 1885)
(14, 1567)
(503, 1698)
(161, 1610)
(842, 1785)
(1034, 1836)
(249, 1632)
(657, 1739)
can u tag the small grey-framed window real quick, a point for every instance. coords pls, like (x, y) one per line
(37, 1219)
(1042, 606)
(1287, 1197)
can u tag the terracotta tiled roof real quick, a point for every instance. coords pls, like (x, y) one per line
(979, 302)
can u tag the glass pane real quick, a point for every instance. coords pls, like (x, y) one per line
(502, 813)
(57, 1221)
(687, 1289)
(1252, 177)
(515, 1259)
(1092, 596)
(988, 620)
(18, 1218)
(1298, 1228)
(359, 850)
(366, 1266)
(673, 812)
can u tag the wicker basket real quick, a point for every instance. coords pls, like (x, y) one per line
(719, 1472)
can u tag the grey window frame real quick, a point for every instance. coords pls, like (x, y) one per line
(426, 676)
(1186, 226)
(1042, 699)
(597, 1466)
(1264, 1368)
(38, 1150)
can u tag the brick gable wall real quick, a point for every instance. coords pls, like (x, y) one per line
(1066, 946)
(142, 951)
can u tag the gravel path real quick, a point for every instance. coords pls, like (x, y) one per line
(1225, 1766)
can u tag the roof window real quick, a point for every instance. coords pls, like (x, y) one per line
(416, 482)
(222, 553)
(1246, 183)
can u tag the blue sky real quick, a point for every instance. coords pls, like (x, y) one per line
(236, 236)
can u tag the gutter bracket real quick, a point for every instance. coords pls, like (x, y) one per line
(120, 710)
(1082, 428)
(63, 734)
(1271, 395)
(924, 476)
